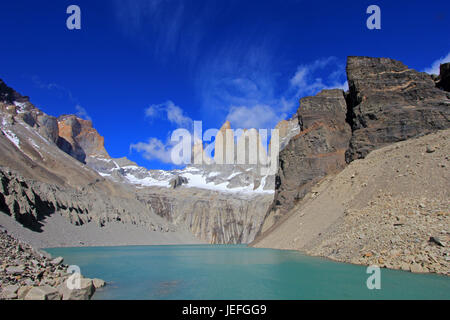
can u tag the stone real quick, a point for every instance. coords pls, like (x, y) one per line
(178, 181)
(15, 270)
(388, 102)
(57, 261)
(43, 293)
(23, 291)
(98, 283)
(430, 149)
(404, 266)
(85, 291)
(437, 241)
(9, 292)
(416, 268)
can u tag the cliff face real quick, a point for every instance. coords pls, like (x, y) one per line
(318, 210)
(78, 138)
(316, 151)
(212, 217)
(444, 77)
(388, 102)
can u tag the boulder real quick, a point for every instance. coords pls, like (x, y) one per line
(437, 241)
(57, 261)
(85, 291)
(43, 293)
(15, 270)
(416, 268)
(98, 283)
(23, 291)
(388, 102)
(444, 77)
(178, 181)
(9, 292)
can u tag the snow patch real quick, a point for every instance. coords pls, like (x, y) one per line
(12, 137)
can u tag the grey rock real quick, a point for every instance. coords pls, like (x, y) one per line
(43, 293)
(15, 270)
(437, 241)
(98, 283)
(57, 261)
(23, 291)
(85, 291)
(178, 181)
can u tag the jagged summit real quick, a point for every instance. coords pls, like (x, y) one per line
(78, 138)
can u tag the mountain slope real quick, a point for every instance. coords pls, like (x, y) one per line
(380, 210)
(59, 166)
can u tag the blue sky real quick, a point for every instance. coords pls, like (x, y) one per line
(140, 69)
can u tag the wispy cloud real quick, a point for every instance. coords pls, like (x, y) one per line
(61, 91)
(435, 66)
(306, 81)
(173, 113)
(154, 149)
(257, 116)
(167, 27)
(240, 81)
(82, 113)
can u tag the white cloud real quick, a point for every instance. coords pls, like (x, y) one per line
(434, 69)
(257, 116)
(306, 81)
(154, 149)
(240, 82)
(82, 113)
(172, 112)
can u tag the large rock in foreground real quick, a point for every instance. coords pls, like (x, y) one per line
(388, 102)
(315, 152)
(444, 77)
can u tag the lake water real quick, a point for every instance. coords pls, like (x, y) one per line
(237, 272)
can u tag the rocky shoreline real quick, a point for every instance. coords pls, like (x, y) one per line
(30, 274)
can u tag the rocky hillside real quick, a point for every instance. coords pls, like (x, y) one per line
(27, 274)
(386, 103)
(390, 209)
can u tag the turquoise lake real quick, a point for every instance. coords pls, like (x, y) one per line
(237, 272)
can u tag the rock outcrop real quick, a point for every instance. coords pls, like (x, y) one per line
(78, 138)
(315, 152)
(388, 102)
(444, 77)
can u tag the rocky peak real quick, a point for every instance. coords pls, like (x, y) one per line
(388, 102)
(79, 139)
(9, 95)
(221, 147)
